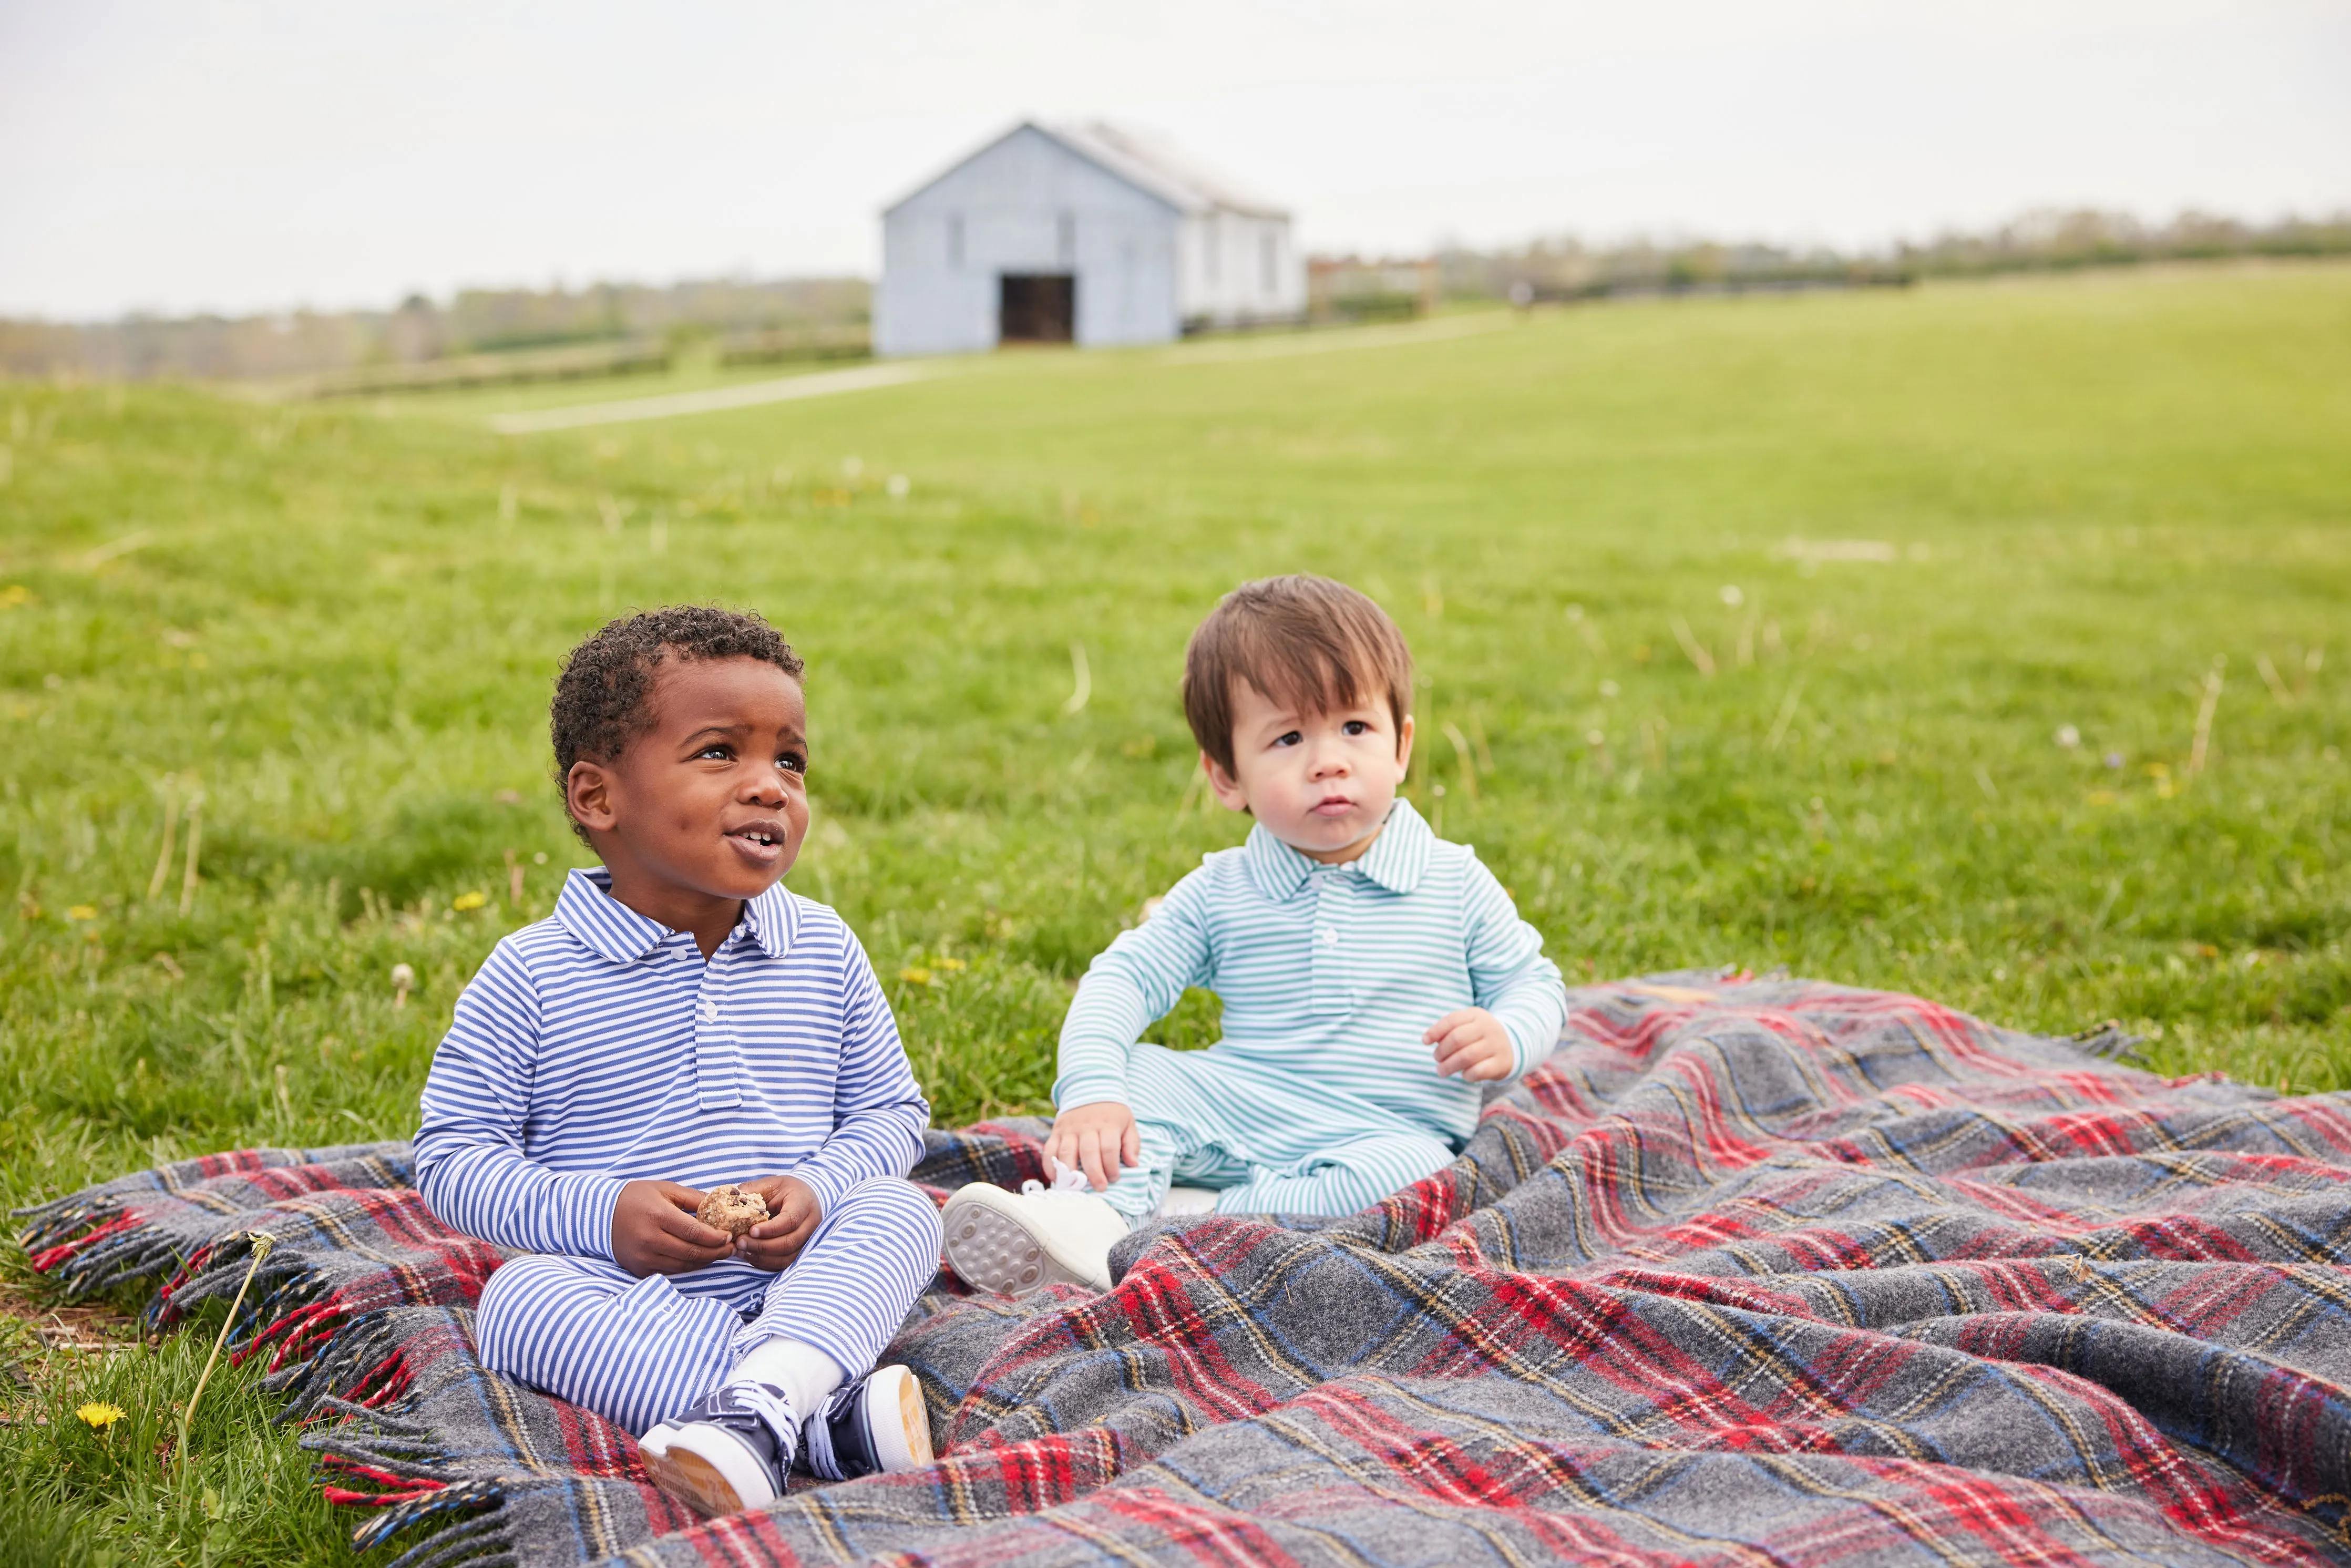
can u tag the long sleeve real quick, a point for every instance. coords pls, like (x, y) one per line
(1508, 971)
(1135, 979)
(878, 1112)
(470, 1166)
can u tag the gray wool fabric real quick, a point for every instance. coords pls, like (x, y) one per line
(1752, 1270)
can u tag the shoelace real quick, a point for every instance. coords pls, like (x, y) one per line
(816, 1436)
(1066, 1178)
(772, 1409)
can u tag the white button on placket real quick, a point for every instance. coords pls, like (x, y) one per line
(715, 1065)
(1330, 987)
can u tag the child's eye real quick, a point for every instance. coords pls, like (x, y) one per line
(721, 753)
(1355, 726)
(792, 763)
(1292, 739)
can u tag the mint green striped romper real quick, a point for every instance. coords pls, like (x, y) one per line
(1320, 1098)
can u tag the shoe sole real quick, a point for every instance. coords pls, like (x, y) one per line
(693, 1482)
(991, 1251)
(893, 1408)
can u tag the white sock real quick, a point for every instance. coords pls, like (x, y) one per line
(1187, 1200)
(799, 1369)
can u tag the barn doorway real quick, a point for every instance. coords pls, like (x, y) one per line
(1037, 307)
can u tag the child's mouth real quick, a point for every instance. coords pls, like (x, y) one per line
(1333, 806)
(762, 842)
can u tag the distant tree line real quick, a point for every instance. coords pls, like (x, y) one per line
(482, 334)
(2046, 241)
(642, 323)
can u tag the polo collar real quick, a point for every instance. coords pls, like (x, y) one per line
(614, 932)
(1399, 856)
(767, 921)
(1396, 860)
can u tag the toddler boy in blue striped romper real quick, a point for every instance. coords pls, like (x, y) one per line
(1374, 977)
(682, 1021)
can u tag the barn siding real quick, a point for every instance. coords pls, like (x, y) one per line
(1011, 200)
(1223, 261)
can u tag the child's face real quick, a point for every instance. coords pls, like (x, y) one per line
(1320, 782)
(713, 800)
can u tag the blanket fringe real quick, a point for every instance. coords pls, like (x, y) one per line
(92, 1247)
(325, 1363)
(2111, 1042)
(479, 1543)
(342, 1389)
(351, 1373)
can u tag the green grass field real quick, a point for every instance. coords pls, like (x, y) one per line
(1864, 635)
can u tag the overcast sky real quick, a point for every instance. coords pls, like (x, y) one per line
(182, 155)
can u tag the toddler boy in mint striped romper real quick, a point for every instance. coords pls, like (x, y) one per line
(1374, 977)
(679, 1022)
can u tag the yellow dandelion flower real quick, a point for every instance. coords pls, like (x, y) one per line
(466, 901)
(98, 1416)
(82, 911)
(914, 974)
(950, 962)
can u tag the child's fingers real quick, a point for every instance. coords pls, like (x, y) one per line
(1472, 1054)
(1447, 1025)
(677, 1195)
(764, 1255)
(781, 1242)
(1101, 1165)
(1452, 1044)
(681, 1225)
(662, 1226)
(1130, 1145)
(1485, 1069)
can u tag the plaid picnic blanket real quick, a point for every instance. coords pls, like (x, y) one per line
(1751, 1272)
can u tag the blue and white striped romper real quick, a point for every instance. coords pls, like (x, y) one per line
(598, 1047)
(1322, 1097)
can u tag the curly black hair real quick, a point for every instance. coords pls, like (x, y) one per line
(603, 695)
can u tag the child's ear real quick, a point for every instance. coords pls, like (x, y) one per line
(1226, 788)
(588, 793)
(1404, 746)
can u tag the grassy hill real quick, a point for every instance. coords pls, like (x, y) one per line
(1871, 635)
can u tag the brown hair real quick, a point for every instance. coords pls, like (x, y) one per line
(1307, 642)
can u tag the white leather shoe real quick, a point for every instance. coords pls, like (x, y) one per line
(1186, 1200)
(1010, 1243)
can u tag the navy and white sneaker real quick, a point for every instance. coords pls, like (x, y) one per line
(875, 1426)
(729, 1452)
(732, 1450)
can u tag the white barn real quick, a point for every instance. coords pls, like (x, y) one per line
(1086, 234)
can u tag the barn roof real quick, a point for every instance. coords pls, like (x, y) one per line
(1142, 159)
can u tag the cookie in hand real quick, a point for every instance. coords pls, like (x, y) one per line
(730, 1209)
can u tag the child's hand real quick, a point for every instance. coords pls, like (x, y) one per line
(1473, 1043)
(654, 1230)
(1096, 1139)
(793, 1215)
